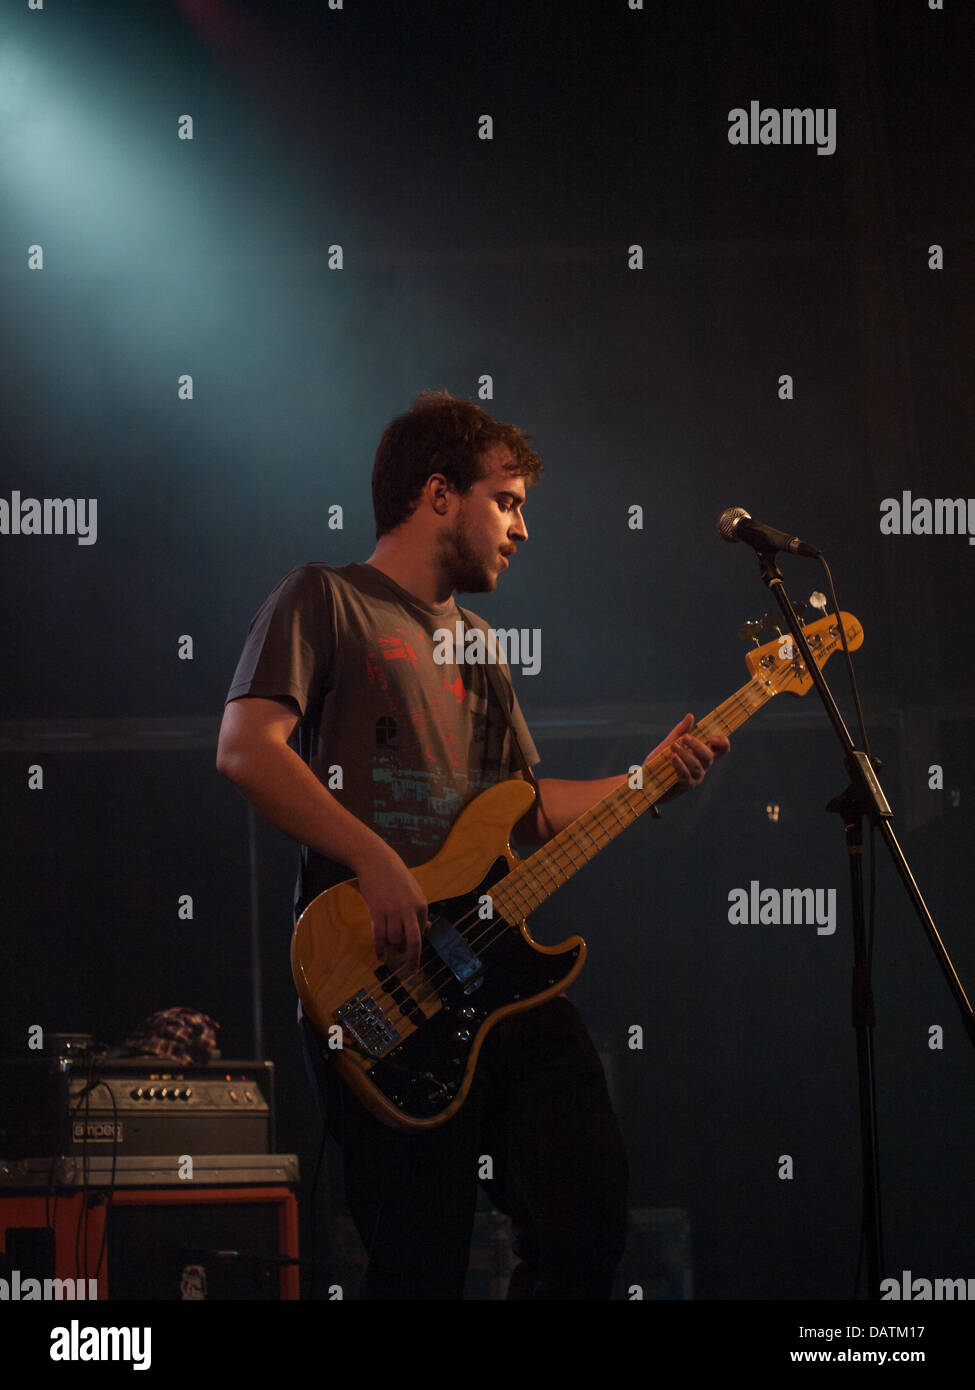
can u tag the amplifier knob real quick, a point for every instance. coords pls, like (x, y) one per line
(177, 1093)
(151, 1093)
(188, 1092)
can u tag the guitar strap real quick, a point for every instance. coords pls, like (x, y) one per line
(497, 685)
(500, 693)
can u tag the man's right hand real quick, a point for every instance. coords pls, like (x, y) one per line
(397, 906)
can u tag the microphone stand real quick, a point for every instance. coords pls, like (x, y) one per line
(864, 797)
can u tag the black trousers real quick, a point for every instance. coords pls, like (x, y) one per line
(537, 1130)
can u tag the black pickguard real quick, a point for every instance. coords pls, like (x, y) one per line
(423, 1074)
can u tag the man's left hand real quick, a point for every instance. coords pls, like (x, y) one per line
(691, 757)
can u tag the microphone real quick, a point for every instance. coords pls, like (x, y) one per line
(735, 524)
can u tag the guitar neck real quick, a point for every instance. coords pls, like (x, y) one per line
(536, 878)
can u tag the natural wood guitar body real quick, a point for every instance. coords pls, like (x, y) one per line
(421, 1077)
(410, 1039)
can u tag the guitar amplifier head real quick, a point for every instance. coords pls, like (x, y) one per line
(135, 1105)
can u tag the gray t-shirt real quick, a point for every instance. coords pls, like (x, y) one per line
(415, 740)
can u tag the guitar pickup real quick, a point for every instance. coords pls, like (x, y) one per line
(455, 953)
(392, 985)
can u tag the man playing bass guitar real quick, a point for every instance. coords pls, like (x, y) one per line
(344, 729)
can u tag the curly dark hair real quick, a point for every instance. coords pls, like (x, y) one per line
(440, 434)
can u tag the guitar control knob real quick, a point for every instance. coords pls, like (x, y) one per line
(462, 1035)
(467, 1013)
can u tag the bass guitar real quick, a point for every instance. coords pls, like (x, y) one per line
(407, 1042)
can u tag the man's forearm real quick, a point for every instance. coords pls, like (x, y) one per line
(283, 788)
(559, 803)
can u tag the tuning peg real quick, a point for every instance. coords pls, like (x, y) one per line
(749, 632)
(818, 600)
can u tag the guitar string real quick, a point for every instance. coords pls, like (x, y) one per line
(758, 687)
(566, 860)
(662, 782)
(433, 978)
(738, 703)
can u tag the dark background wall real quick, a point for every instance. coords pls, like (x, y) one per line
(656, 386)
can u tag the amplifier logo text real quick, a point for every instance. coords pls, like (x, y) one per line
(97, 1131)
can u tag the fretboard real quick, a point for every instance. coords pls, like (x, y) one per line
(534, 879)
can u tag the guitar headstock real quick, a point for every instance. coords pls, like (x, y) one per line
(780, 664)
